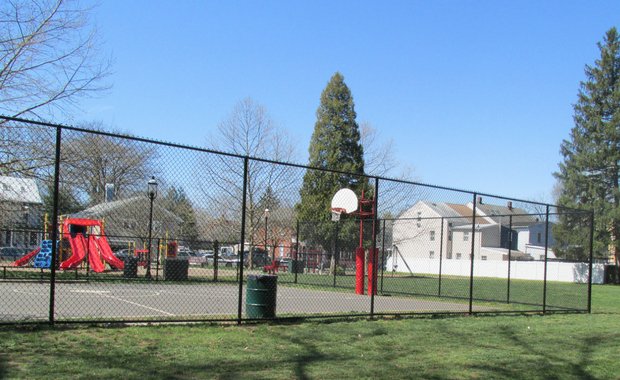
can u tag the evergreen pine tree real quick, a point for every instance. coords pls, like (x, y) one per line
(176, 201)
(335, 145)
(589, 173)
(68, 203)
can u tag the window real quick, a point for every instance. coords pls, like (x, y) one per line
(458, 256)
(431, 255)
(432, 235)
(466, 236)
(7, 238)
(539, 237)
(484, 258)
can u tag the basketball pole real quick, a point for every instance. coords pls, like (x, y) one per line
(359, 254)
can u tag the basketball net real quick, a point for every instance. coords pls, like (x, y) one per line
(336, 211)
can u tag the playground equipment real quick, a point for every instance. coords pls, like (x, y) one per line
(346, 202)
(87, 240)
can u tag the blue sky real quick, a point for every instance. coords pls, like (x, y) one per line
(476, 95)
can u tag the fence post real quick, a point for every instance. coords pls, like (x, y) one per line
(55, 226)
(334, 257)
(158, 257)
(509, 256)
(590, 264)
(546, 248)
(383, 254)
(241, 245)
(440, 257)
(372, 284)
(296, 263)
(472, 255)
(216, 248)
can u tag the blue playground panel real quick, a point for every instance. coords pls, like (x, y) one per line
(43, 259)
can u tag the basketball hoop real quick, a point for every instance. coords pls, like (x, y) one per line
(336, 211)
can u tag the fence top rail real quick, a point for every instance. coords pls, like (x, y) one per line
(290, 164)
(478, 216)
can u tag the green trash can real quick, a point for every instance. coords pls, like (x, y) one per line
(130, 270)
(260, 299)
(176, 270)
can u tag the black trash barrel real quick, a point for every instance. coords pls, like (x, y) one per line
(130, 270)
(260, 299)
(610, 275)
(296, 266)
(176, 270)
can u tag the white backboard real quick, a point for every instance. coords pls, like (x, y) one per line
(345, 199)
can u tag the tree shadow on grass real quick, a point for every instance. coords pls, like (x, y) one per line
(546, 362)
(147, 361)
(3, 366)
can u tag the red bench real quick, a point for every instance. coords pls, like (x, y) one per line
(275, 267)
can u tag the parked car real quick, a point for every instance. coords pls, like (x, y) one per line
(13, 253)
(193, 258)
(284, 260)
(122, 254)
(259, 257)
(196, 258)
(228, 260)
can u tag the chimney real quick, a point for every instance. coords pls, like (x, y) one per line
(510, 205)
(109, 192)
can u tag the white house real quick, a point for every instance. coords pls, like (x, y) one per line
(21, 217)
(434, 230)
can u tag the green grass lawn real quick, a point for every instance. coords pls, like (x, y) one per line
(522, 294)
(579, 346)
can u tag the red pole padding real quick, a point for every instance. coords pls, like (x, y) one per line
(359, 270)
(372, 273)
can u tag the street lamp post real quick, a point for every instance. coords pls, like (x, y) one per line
(151, 194)
(266, 224)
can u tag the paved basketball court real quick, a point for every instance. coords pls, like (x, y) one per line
(21, 301)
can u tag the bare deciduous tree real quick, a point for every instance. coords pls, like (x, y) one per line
(90, 161)
(378, 155)
(249, 131)
(379, 160)
(48, 56)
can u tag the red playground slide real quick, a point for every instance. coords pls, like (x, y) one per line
(78, 249)
(94, 258)
(106, 253)
(24, 260)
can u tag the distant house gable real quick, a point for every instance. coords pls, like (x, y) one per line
(128, 219)
(19, 190)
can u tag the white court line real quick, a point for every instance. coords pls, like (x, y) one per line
(137, 304)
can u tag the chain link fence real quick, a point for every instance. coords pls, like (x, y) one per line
(103, 227)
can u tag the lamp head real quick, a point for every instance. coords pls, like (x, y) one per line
(152, 188)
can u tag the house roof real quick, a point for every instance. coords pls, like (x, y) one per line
(466, 214)
(19, 190)
(443, 209)
(500, 214)
(461, 214)
(121, 206)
